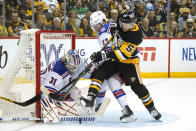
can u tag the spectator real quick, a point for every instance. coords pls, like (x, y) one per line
(51, 5)
(172, 16)
(69, 5)
(56, 24)
(85, 29)
(40, 11)
(136, 5)
(24, 17)
(123, 5)
(11, 5)
(40, 23)
(146, 30)
(153, 23)
(15, 26)
(88, 14)
(79, 9)
(114, 15)
(182, 20)
(175, 8)
(189, 30)
(85, 3)
(1, 27)
(173, 29)
(28, 5)
(141, 12)
(163, 30)
(192, 14)
(72, 22)
(113, 5)
(73, 15)
(182, 6)
(160, 15)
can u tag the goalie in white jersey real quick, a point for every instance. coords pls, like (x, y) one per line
(57, 75)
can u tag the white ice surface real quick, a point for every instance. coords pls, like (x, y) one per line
(174, 98)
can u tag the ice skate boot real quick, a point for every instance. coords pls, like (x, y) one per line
(88, 103)
(127, 115)
(155, 114)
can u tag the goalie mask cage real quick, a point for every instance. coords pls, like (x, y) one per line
(36, 49)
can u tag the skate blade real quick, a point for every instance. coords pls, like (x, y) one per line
(128, 119)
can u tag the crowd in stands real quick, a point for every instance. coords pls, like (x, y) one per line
(151, 15)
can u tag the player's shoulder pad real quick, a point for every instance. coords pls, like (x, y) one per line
(59, 67)
(105, 29)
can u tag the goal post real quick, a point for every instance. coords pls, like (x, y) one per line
(36, 49)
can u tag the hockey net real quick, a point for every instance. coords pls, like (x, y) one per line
(35, 51)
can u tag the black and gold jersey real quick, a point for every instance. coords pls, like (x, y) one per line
(125, 45)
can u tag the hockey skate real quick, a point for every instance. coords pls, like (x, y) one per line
(88, 103)
(127, 115)
(155, 114)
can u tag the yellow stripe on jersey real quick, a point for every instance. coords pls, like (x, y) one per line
(97, 80)
(136, 28)
(95, 87)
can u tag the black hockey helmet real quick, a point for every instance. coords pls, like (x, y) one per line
(127, 16)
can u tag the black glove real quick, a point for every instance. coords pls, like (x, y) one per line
(98, 56)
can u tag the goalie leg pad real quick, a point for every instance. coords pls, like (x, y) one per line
(49, 111)
(71, 108)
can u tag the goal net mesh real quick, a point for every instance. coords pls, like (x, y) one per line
(36, 49)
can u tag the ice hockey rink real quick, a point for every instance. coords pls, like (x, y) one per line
(174, 98)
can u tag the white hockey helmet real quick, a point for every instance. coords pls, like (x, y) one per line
(71, 60)
(96, 18)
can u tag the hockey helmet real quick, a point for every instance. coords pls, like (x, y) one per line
(71, 60)
(127, 17)
(96, 18)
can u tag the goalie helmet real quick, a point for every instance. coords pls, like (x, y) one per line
(71, 60)
(96, 18)
(127, 17)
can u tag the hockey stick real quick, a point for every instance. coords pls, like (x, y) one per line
(26, 103)
(73, 82)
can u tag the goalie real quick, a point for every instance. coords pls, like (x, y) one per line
(57, 75)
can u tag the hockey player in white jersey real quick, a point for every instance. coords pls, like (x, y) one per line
(98, 23)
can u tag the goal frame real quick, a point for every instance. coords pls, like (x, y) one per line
(38, 62)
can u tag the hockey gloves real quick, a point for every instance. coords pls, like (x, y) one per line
(98, 56)
(102, 56)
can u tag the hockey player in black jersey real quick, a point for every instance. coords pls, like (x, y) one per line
(123, 57)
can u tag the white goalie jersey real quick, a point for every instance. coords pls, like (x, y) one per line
(53, 78)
